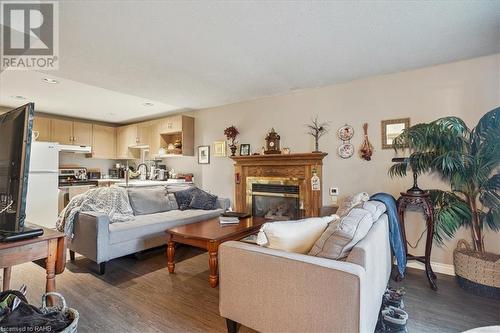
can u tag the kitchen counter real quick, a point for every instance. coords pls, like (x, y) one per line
(145, 183)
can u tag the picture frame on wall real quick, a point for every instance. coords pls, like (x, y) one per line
(203, 154)
(219, 149)
(244, 149)
(391, 129)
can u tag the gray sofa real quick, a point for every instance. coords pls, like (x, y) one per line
(100, 241)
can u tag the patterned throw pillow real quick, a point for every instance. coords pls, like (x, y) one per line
(184, 197)
(355, 200)
(203, 200)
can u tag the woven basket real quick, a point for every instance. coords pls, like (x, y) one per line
(68, 312)
(481, 269)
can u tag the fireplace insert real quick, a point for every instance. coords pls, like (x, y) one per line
(275, 201)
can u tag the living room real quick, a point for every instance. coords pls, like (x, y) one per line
(221, 96)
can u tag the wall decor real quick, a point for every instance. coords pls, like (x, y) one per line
(317, 130)
(203, 154)
(366, 150)
(345, 133)
(244, 149)
(220, 148)
(391, 129)
(231, 133)
(272, 143)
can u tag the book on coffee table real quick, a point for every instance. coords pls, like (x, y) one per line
(229, 220)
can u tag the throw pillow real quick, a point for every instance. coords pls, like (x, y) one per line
(351, 201)
(376, 208)
(292, 236)
(203, 200)
(184, 198)
(339, 238)
(150, 200)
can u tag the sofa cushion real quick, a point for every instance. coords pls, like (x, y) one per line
(351, 201)
(184, 197)
(156, 224)
(292, 236)
(203, 200)
(151, 200)
(339, 238)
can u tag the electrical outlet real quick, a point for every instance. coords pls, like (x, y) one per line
(334, 191)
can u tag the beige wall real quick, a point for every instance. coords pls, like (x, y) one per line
(466, 89)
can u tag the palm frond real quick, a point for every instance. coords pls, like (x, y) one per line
(398, 169)
(450, 213)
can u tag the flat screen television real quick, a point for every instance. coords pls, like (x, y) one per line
(16, 127)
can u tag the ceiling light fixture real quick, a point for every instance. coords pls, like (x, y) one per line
(18, 97)
(50, 81)
(148, 104)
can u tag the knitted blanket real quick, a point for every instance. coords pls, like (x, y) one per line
(112, 201)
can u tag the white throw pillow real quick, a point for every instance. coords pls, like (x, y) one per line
(338, 239)
(293, 236)
(376, 208)
(351, 201)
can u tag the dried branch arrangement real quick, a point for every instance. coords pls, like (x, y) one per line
(317, 130)
(366, 150)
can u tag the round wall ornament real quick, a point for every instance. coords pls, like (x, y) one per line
(346, 150)
(346, 132)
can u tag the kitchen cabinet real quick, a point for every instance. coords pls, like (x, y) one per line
(41, 125)
(104, 142)
(144, 133)
(126, 137)
(82, 133)
(182, 128)
(171, 124)
(61, 131)
(71, 132)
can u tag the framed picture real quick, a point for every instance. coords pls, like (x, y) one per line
(391, 129)
(220, 148)
(203, 154)
(244, 149)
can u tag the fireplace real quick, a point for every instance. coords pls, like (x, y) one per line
(275, 198)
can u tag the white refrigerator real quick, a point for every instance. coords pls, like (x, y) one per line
(43, 183)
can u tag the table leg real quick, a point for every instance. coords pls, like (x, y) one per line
(213, 248)
(170, 255)
(6, 278)
(50, 267)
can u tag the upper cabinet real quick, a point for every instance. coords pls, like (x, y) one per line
(41, 126)
(126, 137)
(103, 142)
(169, 132)
(71, 132)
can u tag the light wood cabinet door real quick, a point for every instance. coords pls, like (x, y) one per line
(103, 142)
(126, 136)
(187, 136)
(41, 125)
(61, 131)
(144, 133)
(171, 125)
(155, 139)
(82, 133)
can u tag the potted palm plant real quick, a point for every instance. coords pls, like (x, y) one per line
(469, 160)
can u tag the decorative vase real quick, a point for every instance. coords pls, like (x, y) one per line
(233, 150)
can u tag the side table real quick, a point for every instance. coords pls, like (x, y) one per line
(422, 201)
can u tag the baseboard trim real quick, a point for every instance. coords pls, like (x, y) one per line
(436, 267)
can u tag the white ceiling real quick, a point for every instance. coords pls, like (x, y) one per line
(204, 53)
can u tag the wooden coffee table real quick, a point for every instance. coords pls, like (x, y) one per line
(208, 235)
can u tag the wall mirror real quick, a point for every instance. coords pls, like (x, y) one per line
(391, 129)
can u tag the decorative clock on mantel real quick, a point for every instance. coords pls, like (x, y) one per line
(272, 143)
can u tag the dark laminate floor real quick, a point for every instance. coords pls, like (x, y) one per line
(140, 296)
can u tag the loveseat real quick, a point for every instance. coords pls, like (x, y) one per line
(100, 241)
(271, 290)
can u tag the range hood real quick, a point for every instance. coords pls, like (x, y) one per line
(75, 149)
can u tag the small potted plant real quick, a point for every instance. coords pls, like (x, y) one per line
(231, 133)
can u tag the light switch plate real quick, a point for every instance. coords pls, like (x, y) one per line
(334, 191)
